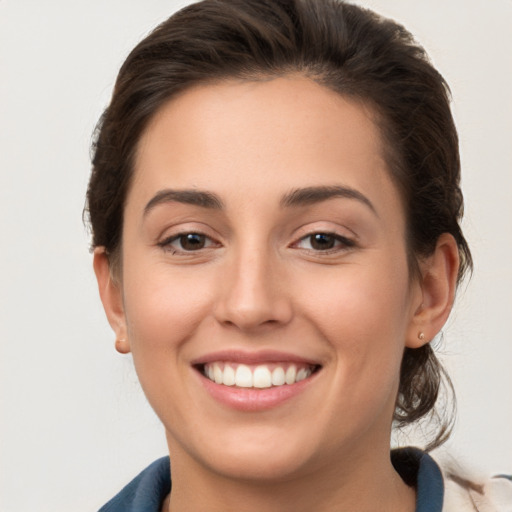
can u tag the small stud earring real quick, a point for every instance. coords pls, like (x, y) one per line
(421, 336)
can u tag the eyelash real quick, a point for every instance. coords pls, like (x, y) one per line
(181, 237)
(341, 243)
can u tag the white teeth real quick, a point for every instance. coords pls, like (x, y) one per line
(291, 373)
(255, 377)
(243, 376)
(229, 376)
(278, 376)
(301, 375)
(262, 377)
(217, 374)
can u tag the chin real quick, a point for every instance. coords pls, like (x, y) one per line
(253, 454)
(262, 466)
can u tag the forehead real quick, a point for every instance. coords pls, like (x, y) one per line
(288, 132)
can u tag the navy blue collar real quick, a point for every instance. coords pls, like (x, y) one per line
(418, 469)
(148, 490)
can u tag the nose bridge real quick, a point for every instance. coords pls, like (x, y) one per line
(253, 294)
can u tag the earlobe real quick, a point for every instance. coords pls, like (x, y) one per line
(111, 298)
(438, 282)
(122, 346)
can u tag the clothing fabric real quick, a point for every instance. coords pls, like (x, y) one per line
(146, 492)
(437, 489)
(465, 491)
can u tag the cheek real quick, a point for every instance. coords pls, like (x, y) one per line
(163, 312)
(363, 315)
(369, 301)
(164, 307)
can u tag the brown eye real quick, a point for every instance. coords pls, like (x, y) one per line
(192, 241)
(187, 242)
(322, 241)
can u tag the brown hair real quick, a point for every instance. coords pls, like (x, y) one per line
(346, 48)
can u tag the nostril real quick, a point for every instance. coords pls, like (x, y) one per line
(250, 298)
(249, 319)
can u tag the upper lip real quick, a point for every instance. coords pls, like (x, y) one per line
(258, 357)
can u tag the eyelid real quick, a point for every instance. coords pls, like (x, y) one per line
(182, 227)
(346, 242)
(346, 239)
(166, 242)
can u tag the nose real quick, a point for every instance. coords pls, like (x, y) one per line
(253, 294)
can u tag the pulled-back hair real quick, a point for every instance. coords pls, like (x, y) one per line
(346, 48)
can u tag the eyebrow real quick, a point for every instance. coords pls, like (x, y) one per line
(194, 197)
(312, 195)
(294, 198)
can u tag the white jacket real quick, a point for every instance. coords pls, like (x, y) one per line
(466, 492)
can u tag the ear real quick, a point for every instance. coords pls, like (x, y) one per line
(437, 285)
(112, 299)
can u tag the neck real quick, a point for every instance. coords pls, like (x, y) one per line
(360, 482)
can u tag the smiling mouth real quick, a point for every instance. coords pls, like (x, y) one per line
(261, 376)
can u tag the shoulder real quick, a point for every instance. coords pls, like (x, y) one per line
(466, 490)
(445, 485)
(146, 492)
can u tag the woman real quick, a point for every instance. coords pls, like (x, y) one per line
(275, 209)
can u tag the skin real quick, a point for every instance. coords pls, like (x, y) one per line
(259, 284)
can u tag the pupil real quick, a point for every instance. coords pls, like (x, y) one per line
(192, 241)
(322, 241)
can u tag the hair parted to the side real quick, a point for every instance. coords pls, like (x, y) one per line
(346, 48)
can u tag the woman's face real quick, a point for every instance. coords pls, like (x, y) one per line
(265, 292)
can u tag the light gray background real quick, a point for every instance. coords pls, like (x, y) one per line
(74, 425)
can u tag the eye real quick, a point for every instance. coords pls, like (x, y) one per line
(187, 242)
(324, 242)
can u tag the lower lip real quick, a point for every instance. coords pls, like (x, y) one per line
(253, 399)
